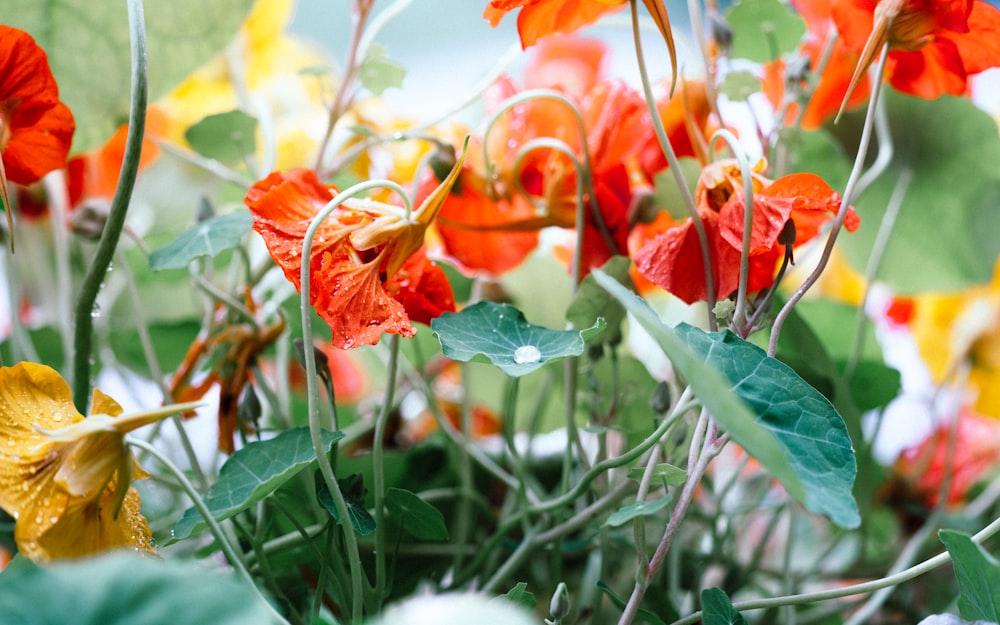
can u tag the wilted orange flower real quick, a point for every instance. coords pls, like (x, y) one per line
(364, 266)
(66, 479)
(673, 259)
(934, 45)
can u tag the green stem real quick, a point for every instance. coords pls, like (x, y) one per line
(675, 167)
(378, 468)
(119, 208)
(213, 526)
(313, 399)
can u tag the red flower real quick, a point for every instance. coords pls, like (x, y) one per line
(673, 259)
(36, 129)
(367, 275)
(934, 45)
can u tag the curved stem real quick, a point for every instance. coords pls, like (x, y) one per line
(845, 205)
(116, 217)
(213, 526)
(312, 390)
(740, 315)
(675, 168)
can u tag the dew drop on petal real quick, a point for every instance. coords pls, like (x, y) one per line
(526, 354)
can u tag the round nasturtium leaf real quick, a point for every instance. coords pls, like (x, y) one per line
(500, 334)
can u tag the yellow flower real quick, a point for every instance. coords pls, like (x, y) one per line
(66, 479)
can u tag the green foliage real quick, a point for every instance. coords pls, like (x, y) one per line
(226, 137)
(252, 473)
(632, 511)
(378, 73)
(354, 497)
(520, 595)
(763, 30)
(419, 518)
(978, 576)
(591, 303)
(663, 473)
(798, 416)
(738, 86)
(125, 588)
(501, 334)
(206, 238)
(717, 609)
(88, 49)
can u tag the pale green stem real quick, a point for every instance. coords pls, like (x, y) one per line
(234, 558)
(845, 204)
(313, 399)
(83, 320)
(378, 468)
(55, 188)
(675, 168)
(879, 247)
(740, 315)
(855, 589)
(209, 165)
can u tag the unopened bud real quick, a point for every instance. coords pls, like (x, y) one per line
(559, 605)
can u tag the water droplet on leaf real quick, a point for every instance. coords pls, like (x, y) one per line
(526, 354)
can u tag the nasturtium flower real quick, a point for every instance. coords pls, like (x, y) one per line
(673, 259)
(365, 269)
(934, 45)
(67, 479)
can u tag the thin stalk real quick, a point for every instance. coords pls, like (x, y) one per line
(675, 166)
(845, 204)
(313, 399)
(213, 526)
(855, 589)
(83, 321)
(378, 468)
(874, 262)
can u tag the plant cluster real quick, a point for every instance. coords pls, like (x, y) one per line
(718, 345)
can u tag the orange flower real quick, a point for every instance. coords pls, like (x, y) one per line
(828, 94)
(539, 18)
(66, 479)
(673, 259)
(365, 263)
(934, 45)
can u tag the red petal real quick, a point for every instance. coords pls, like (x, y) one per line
(423, 289)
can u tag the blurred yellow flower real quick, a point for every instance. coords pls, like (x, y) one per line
(64, 478)
(959, 334)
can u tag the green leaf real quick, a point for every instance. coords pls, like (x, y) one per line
(739, 86)
(419, 518)
(253, 473)
(206, 238)
(361, 519)
(591, 303)
(666, 192)
(501, 334)
(378, 73)
(663, 473)
(717, 609)
(520, 595)
(643, 613)
(945, 236)
(125, 588)
(227, 137)
(978, 576)
(761, 435)
(626, 513)
(88, 48)
(799, 417)
(763, 30)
